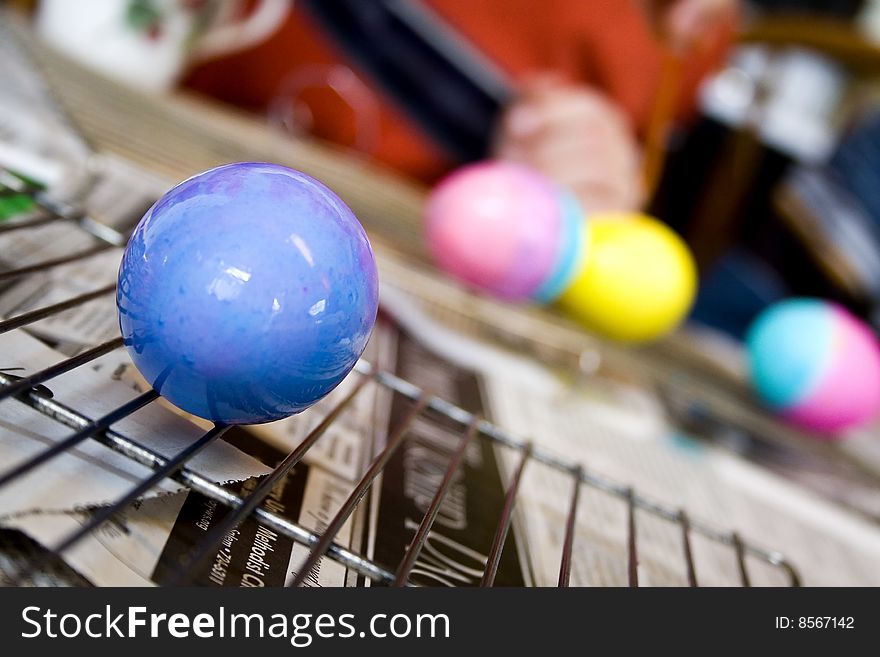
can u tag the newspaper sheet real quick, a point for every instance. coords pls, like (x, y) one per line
(95, 321)
(620, 431)
(144, 545)
(91, 473)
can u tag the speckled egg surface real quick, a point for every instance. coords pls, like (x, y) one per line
(247, 293)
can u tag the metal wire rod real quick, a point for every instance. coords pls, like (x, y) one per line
(12, 184)
(421, 535)
(738, 547)
(570, 524)
(378, 464)
(32, 316)
(357, 562)
(188, 567)
(54, 262)
(684, 521)
(494, 558)
(86, 432)
(186, 477)
(632, 555)
(59, 368)
(63, 211)
(103, 514)
(24, 224)
(504, 437)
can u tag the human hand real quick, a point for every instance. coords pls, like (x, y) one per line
(576, 137)
(685, 23)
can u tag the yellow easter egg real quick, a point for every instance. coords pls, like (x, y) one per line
(638, 281)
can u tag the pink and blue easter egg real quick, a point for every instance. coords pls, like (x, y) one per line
(503, 228)
(247, 293)
(815, 364)
(571, 250)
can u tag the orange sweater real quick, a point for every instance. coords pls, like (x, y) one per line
(607, 44)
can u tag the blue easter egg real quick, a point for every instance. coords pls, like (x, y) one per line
(247, 293)
(790, 347)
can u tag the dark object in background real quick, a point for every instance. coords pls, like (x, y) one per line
(836, 210)
(856, 164)
(774, 108)
(838, 8)
(396, 43)
(717, 190)
(735, 290)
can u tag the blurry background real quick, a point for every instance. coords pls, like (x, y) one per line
(771, 173)
(785, 162)
(772, 177)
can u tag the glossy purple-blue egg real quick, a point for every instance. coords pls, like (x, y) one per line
(247, 293)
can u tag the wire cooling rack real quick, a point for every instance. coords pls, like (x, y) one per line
(30, 390)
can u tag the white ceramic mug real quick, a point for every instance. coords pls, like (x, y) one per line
(149, 43)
